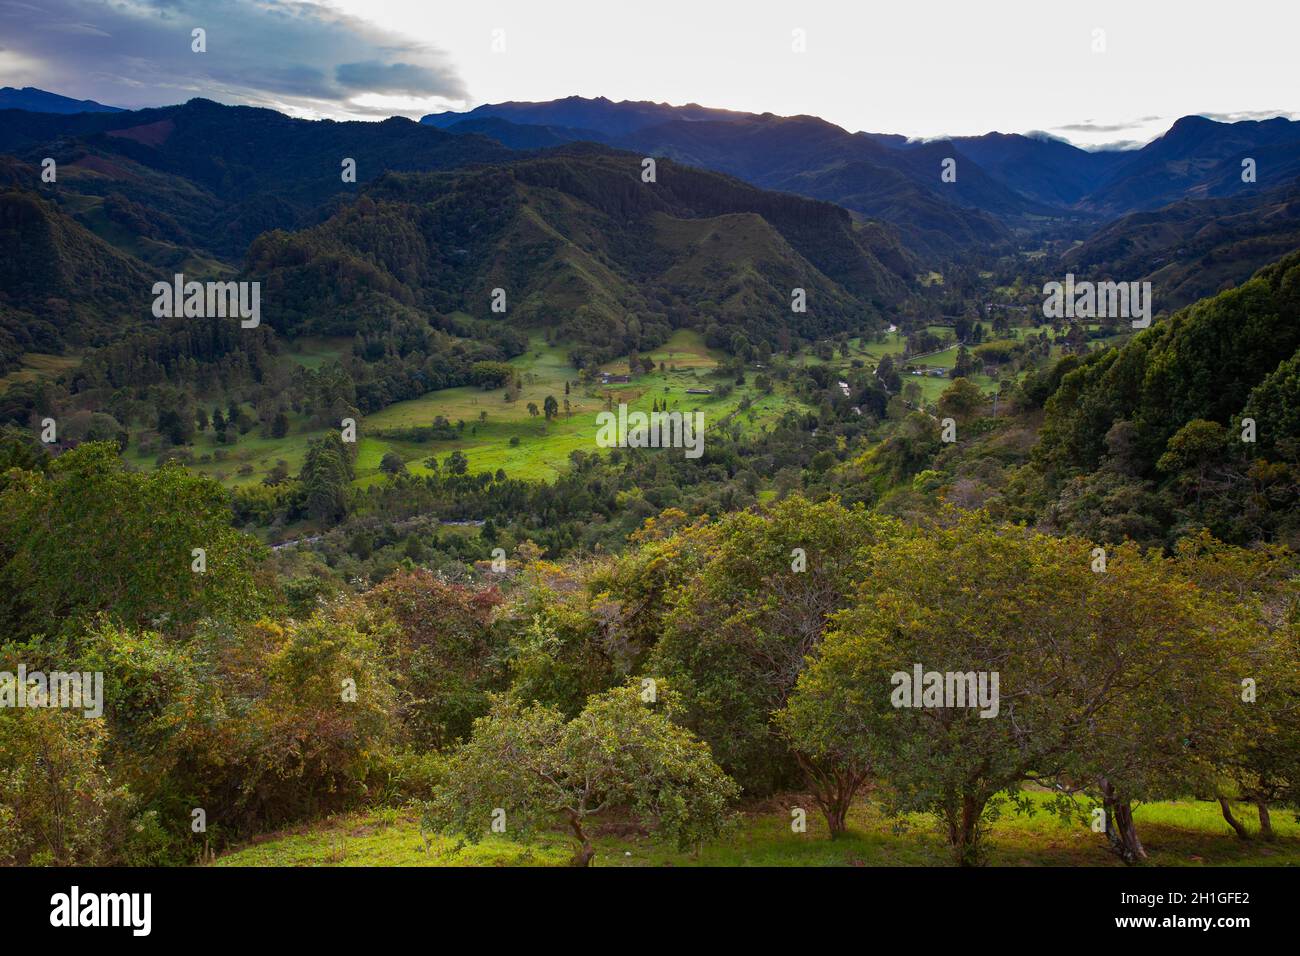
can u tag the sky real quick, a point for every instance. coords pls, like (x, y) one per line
(1096, 73)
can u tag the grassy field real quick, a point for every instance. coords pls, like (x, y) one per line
(39, 365)
(542, 448)
(1182, 833)
(500, 435)
(312, 352)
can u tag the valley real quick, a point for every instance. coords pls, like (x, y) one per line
(369, 585)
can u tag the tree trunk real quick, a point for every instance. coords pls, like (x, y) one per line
(582, 857)
(833, 791)
(970, 817)
(1120, 828)
(1265, 821)
(835, 819)
(963, 818)
(1233, 822)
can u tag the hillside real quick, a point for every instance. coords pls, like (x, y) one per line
(224, 174)
(1005, 182)
(582, 246)
(801, 154)
(40, 101)
(1150, 440)
(1194, 247)
(59, 283)
(1200, 157)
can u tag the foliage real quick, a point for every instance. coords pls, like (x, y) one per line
(525, 762)
(742, 625)
(89, 536)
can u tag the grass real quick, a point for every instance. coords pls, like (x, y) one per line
(542, 449)
(313, 352)
(39, 365)
(1177, 833)
(511, 439)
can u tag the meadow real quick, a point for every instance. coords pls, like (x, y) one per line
(498, 434)
(1176, 833)
(495, 434)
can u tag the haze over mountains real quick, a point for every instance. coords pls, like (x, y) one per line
(191, 188)
(1004, 181)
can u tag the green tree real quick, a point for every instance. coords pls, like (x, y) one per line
(742, 625)
(619, 753)
(448, 653)
(1080, 658)
(456, 463)
(91, 536)
(59, 806)
(961, 400)
(1260, 763)
(280, 424)
(325, 476)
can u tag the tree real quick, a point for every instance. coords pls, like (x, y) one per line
(489, 375)
(176, 427)
(532, 409)
(964, 366)
(1091, 669)
(91, 536)
(392, 463)
(740, 628)
(448, 653)
(620, 752)
(58, 803)
(1174, 710)
(888, 375)
(325, 476)
(456, 463)
(550, 407)
(1261, 763)
(1274, 405)
(280, 424)
(962, 400)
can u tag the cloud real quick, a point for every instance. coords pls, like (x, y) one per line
(1248, 115)
(1046, 136)
(408, 79)
(301, 56)
(1118, 145)
(1100, 127)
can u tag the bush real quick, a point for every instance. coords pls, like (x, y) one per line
(58, 805)
(621, 752)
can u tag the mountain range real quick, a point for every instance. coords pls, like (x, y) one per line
(40, 101)
(547, 200)
(1005, 183)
